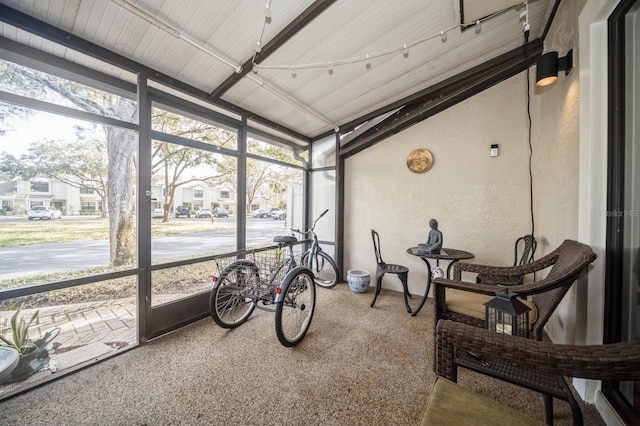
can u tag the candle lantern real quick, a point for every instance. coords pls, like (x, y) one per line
(506, 314)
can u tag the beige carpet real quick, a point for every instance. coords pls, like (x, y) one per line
(357, 366)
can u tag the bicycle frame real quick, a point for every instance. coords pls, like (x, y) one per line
(261, 278)
(316, 259)
(315, 245)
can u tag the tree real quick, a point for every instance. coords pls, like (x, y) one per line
(270, 178)
(258, 176)
(170, 162)
(7, 111)
(121, 144)
(116, 157)
(81, 163)
(261, 175)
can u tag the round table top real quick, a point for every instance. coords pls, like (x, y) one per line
(8, 360)
(445, 253)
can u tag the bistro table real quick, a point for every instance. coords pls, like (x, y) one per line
(452, 255)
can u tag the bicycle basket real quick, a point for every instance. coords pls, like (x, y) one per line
(272, 263)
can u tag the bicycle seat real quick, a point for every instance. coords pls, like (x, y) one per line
(285, 239)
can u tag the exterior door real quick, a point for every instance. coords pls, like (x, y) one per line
(623, 227)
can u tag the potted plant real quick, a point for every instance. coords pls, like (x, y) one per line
(33, 353)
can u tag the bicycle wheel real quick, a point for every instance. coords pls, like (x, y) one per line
(295, 311)
(324, 269)
(229, 304)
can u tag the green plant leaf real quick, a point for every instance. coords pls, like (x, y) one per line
(20, 332)
(6, 342)
(34, 316)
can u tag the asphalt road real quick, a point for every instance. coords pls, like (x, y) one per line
(49, 258)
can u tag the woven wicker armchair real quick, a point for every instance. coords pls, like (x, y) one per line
(463, 301)
(536, 365)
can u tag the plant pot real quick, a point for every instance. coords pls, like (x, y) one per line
(9, 358)
(27, 365)
(358, 280)
(33, 361)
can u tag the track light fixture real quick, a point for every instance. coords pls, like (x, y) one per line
(267, 13)
(548, 65)
(368, 58)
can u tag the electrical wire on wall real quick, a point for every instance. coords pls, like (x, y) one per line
(526, 58)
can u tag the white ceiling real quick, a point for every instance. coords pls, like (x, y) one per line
(201, 42)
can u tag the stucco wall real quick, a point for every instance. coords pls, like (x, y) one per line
(481, 203)
(556, 158)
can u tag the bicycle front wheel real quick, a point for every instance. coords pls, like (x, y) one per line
(229, 303)
(295, 311)
(324, 269)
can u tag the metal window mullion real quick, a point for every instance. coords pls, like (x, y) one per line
(144, 210)
(241, 194)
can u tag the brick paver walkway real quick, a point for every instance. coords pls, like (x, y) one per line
(86, 331)
(112, 321)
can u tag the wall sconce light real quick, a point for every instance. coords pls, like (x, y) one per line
(548, 65)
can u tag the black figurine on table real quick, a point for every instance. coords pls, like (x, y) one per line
(434, 241)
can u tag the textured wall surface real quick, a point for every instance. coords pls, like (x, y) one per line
(556, 142)
(556, 158)
(481, 203)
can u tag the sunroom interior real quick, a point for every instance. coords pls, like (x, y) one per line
(305, 106)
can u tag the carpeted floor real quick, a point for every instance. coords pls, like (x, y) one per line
(357, 366)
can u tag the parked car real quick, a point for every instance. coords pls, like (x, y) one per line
(221, 212)
(183, 211)
(278, 214)
(261, 213)
(203, 213)
(42, 212)
(157, 213)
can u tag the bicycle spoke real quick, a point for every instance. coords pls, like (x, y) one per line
(231, 303)
(294, 313)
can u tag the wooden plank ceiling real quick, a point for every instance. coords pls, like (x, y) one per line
(320, 65)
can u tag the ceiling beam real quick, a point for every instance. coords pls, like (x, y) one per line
(441, 96)
(281, 38)
(30, 57)
(32, 25)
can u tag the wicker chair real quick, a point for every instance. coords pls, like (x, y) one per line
(523, 252)
(536, 365)
(463, 301)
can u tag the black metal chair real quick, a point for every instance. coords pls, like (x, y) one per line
(523, 251)
(401, 271)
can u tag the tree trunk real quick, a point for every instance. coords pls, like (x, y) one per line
(121, 151)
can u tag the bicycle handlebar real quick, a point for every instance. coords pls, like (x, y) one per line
(319, 217)
(313, 225)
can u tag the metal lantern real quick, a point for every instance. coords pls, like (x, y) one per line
(506, 314)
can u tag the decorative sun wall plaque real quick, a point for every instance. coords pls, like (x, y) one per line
(419, 160)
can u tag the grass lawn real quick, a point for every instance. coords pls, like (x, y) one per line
(68, 230)
(23, 233)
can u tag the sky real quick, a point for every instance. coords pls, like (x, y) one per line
(22, 131)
